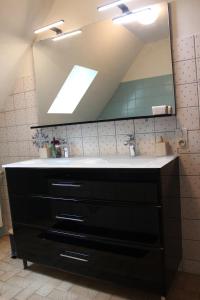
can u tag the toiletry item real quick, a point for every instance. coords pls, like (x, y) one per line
(56, 150)
(65, 152)
(131, 143)
(161, 147)
(160, 110)
(169, 109)
(44, 152)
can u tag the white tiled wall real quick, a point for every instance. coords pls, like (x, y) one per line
(108, 138)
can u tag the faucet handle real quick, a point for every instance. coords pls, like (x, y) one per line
(131, 136)
(131, 140)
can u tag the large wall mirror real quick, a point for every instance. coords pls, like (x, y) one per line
(110, 71)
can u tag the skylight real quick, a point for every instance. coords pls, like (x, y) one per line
(73, 90)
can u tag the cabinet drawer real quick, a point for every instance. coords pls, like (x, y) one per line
(123, 264)
(128, 221)
(127, 191)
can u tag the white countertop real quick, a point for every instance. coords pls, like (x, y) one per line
(116, 162)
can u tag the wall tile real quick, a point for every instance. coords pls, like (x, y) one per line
(144, 125)
(188, 118)
(191, 266)
(190, 208)
(10, 118)
(11, 133)
(74, 131)
(121, 148)
(3, 149)
(22, 117)
(23, 148)
(190, 164)
(107, 145)
(106, 128)
(197, 45)
(187, 95)
(165, 124)
(2, 120)
(191, 229)
(9, 104)
(91, 146)
(12, 148)
(124, 127)
(198, 68)
(145, 144)
(183, 49)
(194, 141)
(185, 72)
(191, 250)
(76, 146)
(23, 133)
(29, 83)
(190, 186)
(30, 99)
(89, 129)
(19, 101)
(19, 86)
(3, 135)
(32, 115)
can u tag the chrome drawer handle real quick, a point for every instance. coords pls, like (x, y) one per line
(68, 234)
(69, 219)
(66, 185)
(56, 198)
(73, 257)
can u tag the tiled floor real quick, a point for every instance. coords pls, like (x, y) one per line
(39, 283)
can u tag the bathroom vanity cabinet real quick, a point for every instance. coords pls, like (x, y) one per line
(117, 224)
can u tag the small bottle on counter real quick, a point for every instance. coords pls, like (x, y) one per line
(56, 150)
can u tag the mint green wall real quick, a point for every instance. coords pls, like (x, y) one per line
(136, 98)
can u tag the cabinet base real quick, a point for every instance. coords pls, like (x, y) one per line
(25, 264)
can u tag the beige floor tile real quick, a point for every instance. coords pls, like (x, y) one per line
(28, 291)
(48, 287)
(58, 295)
(8, 291)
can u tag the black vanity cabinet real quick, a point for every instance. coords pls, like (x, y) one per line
(120, 225)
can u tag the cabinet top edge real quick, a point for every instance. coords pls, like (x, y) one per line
(138, 162)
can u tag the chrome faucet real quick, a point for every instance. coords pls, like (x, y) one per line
(132, 144)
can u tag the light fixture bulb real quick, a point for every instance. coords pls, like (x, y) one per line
(66, 35)
(111, 5)
(147, 17)
(46, 28)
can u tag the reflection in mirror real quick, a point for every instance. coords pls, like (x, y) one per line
(110, 71)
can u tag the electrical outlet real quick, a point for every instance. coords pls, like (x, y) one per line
(181, 138)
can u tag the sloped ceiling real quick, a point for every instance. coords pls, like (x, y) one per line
(17, 22)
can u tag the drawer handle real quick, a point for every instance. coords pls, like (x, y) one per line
(69, 219)
(66, 185)
(56, 198)
(68, 234)
(73, 257)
